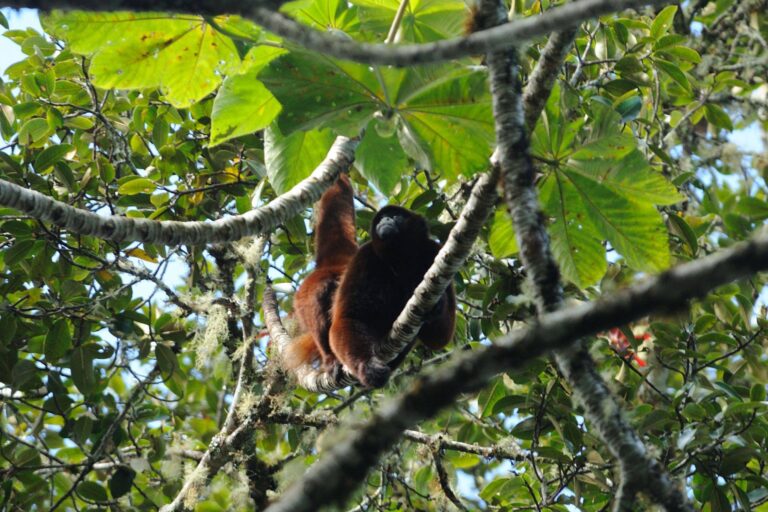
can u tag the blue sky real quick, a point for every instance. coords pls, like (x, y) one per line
(19, 19)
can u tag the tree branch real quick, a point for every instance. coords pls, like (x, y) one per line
(543, 77)
(223, 443)
(575, 362)
(106, 440)
(448, 261)
(125, 229)
(337, 474)
(557, 18)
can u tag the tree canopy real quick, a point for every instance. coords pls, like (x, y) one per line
(595, 170)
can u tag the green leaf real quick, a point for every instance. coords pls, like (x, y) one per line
(629, 108)
(83, 374)
(632, 177)
(684, 53)
(33, 131)
(79, 123)
(82, 429)
(381, 160)
(500, 488)
(686, 233)
(23, 372)
(526, 428)
(319, 92)
(137, 186)
(50, 156)
(736, 458)
(718, 117)
(489, 396)
(3, 20)
(635, 229)
(92, 491)
(243, 105)
(121, 481)
(663, 21)
(18, 252)
(237, 28)
(674, 72)
(424, 20)
(291, 159)
(181, 54)
(501, 240)
(58, 341)
(166, 360)
(334, 16)
(450, 114)
(606, 148)
(576, 242)
(754, 208)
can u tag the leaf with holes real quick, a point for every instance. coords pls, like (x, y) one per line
(181, 54)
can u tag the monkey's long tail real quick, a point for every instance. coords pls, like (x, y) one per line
(302, 350)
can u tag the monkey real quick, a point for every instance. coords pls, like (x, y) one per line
(379, 279)
(335, 245)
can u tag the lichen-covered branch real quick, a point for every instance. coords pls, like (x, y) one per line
(557, 18)
(204, 7)
(340, 471)
(575, 363)
(224, 443)
(124, 229)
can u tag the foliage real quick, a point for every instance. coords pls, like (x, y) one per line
(191, 118)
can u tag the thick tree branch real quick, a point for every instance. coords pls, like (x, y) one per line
(518, 173)
(203, 7)
(124, 229)
(340, 471)
(557, 18)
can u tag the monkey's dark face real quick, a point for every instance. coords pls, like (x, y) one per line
(390, 226)
(393, 223)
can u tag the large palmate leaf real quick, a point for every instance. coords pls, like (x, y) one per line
(634, 228)
(380, 158)
(576, 242)
(292, 158)
(424, 20)
(451, 116)
(332, 15)
(183, 55)
(442, 115)
(319, 92)
(243, 104)
(630, 176)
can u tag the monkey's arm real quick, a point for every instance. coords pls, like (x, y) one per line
(438, 327)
